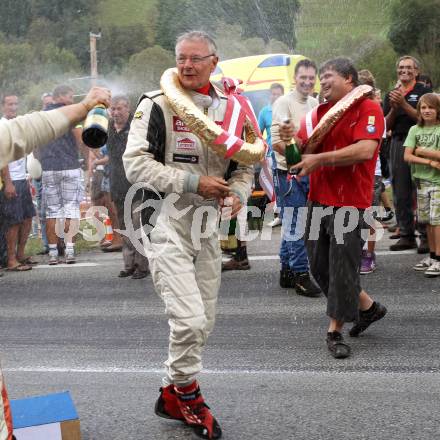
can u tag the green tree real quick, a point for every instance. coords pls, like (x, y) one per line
(15, 17)
(379, 60)
(265, 19)
(231, 46)
(415, 29)
(24, 65)
(67, 24)
(144, 69)
(118, 44)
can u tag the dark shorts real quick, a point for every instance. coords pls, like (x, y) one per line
(19, 208)
(335, 256)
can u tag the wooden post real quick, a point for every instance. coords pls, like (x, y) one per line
(93, 56)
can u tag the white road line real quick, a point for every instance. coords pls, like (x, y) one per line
(47, 266)
(276, 257)
(410, 252)
(116, 370)
(251, 258)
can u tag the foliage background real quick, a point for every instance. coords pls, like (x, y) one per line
(46, 42)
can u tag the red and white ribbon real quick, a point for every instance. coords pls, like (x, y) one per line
(238, 109)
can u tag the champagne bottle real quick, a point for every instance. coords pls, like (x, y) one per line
(95, 129)
(293, 155)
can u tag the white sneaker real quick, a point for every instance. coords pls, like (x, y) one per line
(275, 222)
(424, 264)
(433, 270)
(70, 256)
(53, 258)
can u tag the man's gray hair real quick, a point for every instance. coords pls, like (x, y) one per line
(409, 57)
(198, 35)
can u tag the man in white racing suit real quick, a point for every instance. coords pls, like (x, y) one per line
(185, 258)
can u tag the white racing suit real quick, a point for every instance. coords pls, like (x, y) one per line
(162, 152)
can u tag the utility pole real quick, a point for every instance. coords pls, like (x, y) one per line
(93, 56)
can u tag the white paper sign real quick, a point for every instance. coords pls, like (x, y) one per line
(51, 431)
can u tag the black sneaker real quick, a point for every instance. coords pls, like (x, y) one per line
(404, 243)
(389, 215)
(336, 345)
(287, 279)
(367, 318)
(305, 286)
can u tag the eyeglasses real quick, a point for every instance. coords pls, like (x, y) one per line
(405, 68)
(193, 60)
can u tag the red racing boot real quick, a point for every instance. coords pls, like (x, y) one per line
(167, 405)
(196, 412)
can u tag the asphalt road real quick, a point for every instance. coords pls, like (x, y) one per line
(268, 374)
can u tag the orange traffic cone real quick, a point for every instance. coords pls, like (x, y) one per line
(108, 229)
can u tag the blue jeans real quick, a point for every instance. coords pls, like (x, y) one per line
(293, 197)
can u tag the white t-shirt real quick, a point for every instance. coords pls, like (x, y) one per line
(17, 169)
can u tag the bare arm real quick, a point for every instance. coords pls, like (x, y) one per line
(21, 135)
(358, 152)
(9, 188)
(397, 99)
(410, 111)
(102, 161)
(77, 112)
(426, 152)
(410, 157)
(390, 118)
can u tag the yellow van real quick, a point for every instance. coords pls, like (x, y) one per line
(258, 73)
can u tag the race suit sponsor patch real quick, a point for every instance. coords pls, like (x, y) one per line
(185, 144)
(179, 125)
(185, 158)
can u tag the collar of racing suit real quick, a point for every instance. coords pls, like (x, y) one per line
(205, 101)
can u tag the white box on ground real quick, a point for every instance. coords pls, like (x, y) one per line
(50, 417)
(43, 432)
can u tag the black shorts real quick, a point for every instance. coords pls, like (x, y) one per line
(335, 256)
(19, 208)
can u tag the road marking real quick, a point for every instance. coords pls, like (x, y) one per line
(117, 370)
(47, 266)
(251, 258)
(276, 257)
(410, 252)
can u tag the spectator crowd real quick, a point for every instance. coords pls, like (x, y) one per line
(371, 141)
(72, 174)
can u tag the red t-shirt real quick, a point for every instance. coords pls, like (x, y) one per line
(350, 185)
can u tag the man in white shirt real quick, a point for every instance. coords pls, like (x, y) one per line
(16, 204)
(288, 110)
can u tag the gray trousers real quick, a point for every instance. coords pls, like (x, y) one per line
(403, 190)
(132, 258)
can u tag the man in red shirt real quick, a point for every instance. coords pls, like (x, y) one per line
(341, 171)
